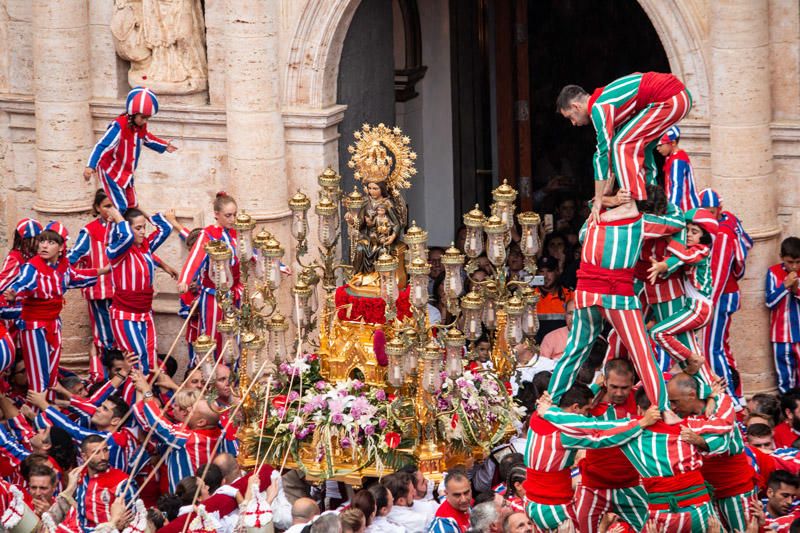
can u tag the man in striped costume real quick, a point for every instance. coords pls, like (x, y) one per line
(116, 155)
(728, 257)
(605, 290)
(629, 115)
(190, 444)
(783, 300)
(554, 436)
(678, 177)
(726, 466)
(609, 483)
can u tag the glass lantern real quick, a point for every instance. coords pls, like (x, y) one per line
(259, 242)
(514, 309)
(219, 269)
(311, 278)
(453, 262)
(489, 313)
(395, 350)
(328, 228)
(202, 345)
(227, 329)
(530, 319)
(253, 344)
(529, 241)
(270, 253)
(473, 242)
(386, 267)
(277, 327)
(454, 349)
(329, 181)
(301, 317)
(495, 240)
(299, 204)
(471, 306)
(504, 197)
(432, 371)
(244, 226)
(417, 240)
(411, 359)
(353, 202)
(419, 270)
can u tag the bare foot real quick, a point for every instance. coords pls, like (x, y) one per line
(628, 210)
(669, 417)
(694, 364)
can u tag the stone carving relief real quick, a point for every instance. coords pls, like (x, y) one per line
(165, 42)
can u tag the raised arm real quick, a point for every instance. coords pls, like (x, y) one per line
(120, 238)
(775, 291)
(669, 223)
(81, 248)
(170, 434)
(195, 261)
(9, 271)
(154, 143)
(161, 233)
(107, 142)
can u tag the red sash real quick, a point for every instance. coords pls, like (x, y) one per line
(608, 469)
(730, 475)
(38, 309)
(599, 280)
(549, 488)
(687, 489)
(128, 301)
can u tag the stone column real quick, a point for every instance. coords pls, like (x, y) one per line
(256, 151)
(63, 136)
(742, 166)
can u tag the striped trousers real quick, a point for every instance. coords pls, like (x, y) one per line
(591, 504)
(548, 517)
(210, 313)
(690, 519)
(100, 319)
(694, 315)
(633, 145)
(786, 356)
(715, 341)
(41, 355)
(587, 324)
(139, 337)
(7, 351)
(121, 197)
(734, 512)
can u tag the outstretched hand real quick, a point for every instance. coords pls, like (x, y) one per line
(651, 416)
(657, 268)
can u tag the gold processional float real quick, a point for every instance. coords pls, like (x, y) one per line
(369, 384)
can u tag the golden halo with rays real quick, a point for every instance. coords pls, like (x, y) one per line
(382, 154)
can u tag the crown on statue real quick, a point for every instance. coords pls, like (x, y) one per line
(382, 154)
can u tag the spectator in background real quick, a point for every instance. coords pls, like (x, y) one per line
(384, 503)
(760, 436)
(352, 520)
(528, 366)
(303, 512)
(552, 297)
(788, 431)
(437, 268)
(767, 405)
(555, 342)
(401, 486)
(365, 502)
(453, 515)
(566, 215)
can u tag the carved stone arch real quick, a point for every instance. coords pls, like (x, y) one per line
(682, 27)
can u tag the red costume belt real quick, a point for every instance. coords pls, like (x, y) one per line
(549, 488)
(599, 280)
(608, 469)
(730, 475)
(675, 493)
(39, 309)
(133, 301)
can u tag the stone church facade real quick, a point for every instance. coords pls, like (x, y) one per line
(248, 91)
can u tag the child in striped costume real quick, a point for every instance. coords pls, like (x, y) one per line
(678, 177)
(116, 155)
(89, 251)
(605, 290)
(783, 300)
(701, 226)
(41, 284)
(22, 249)
(186, 299)
(629, 115)
(728, 256)
(554, 436)
(197, 266)
(130, 251)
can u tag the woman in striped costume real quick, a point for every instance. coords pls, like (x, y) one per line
(554, 436)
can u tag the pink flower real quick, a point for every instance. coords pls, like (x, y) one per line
(292, 396)
(369, 430)
(380, 395)
(320, 385)
(382, 423)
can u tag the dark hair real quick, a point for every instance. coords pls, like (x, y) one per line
(567, 95)
(221, 199)
(33, 460)
(99, 196)
(518, 474)
(50, 235)
(397, 484)
(759, 430)
(577, 394)
(187, 488)
(642, 401)
(170, 505)
(352, 518)
(656, 201)
(782, 477)
(42, 469)
(790, 247)
(170, 365)
(381, 495)
(541, 381)
(795, 527)
(156, 517)
(91, 439)
(455, 474)
(483, 497)
(25, 245)
(768, 406)
(365, 501)
(192, 237)
(132, 213)
(586, 373)
(63, 449)
(620, 366)
(509, 463)
(789, 400)
(211, 475)
(705, 237)
(112, 355)
(120, 408)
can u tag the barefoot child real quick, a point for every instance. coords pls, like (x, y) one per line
(116, 154)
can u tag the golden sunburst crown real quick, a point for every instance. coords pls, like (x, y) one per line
(381, 154)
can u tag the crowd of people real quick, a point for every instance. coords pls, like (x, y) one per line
(636, 416)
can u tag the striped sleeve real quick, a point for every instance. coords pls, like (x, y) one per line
(444, 525)
(120, 239)
(81, 247)
(75, 431)
(655, 226)
(81, 277)
(677, 182)
(603, 120)
(688, 255)
(578, 431)
(775, 291)
(154, 143)
(10, 444)
(168, 433)
(162, 232)
(722, 254)
(9, 271)
(195, 260)
(26, 280)
(107, 142)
